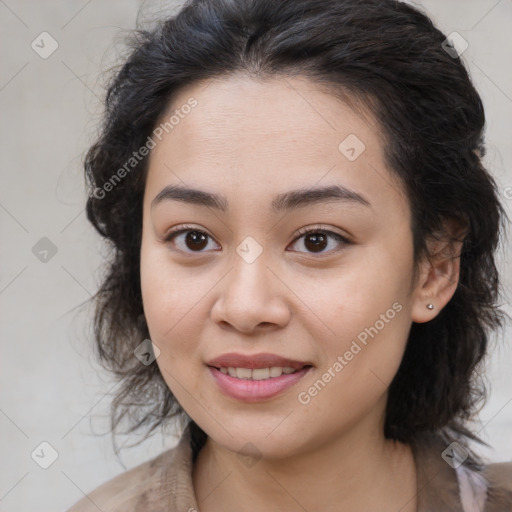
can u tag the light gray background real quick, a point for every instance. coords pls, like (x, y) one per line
(51, 389)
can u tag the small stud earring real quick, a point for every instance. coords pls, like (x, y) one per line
(430, 306)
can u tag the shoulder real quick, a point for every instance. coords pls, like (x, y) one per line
(447, 481)
(500, 474)
(162, 483)
(125, 491)
(499, 486)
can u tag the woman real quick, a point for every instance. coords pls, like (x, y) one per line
(303, 263)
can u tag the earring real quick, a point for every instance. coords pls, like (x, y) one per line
(430, 306)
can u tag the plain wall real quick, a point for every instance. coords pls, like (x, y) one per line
(51, 388)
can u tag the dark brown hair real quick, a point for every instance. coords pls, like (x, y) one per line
(386, 55)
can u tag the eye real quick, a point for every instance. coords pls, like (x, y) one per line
(188, 237)
(316, 240)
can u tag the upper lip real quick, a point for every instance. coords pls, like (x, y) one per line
(263, 360)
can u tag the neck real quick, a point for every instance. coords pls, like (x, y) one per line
(359, 470)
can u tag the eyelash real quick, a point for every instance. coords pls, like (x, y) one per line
(301, 233)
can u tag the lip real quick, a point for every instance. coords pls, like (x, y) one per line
(254, 361)
(247, 390)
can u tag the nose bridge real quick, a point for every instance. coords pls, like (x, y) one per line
(249, 295)
(248, 278)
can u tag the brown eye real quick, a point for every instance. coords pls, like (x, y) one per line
(189, 240)
(195, 240)
(316, 241)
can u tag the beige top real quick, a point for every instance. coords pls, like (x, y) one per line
(164, 484)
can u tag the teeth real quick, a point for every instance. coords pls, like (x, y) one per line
(257, 373)
(260, 373)
(276, 371)
(243, 373)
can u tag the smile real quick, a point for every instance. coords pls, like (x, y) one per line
(257, 373)
(257, 384)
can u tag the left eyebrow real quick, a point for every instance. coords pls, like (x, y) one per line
(293, 199)
(307, 196)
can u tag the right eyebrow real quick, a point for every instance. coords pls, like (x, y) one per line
(191, 195)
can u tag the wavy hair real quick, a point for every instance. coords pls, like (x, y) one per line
(382, 54)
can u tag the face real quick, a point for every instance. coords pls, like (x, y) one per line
(265, 275)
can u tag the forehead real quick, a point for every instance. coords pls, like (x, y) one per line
(281, 132)
(276, 114)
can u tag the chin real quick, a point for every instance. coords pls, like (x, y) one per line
(270, 439)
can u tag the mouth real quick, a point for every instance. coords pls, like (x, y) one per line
(271, 372)
(257, 366)
(252, 378)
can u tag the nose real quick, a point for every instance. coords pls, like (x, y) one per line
(251, 298)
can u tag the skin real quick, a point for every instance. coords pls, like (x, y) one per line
(250, 140)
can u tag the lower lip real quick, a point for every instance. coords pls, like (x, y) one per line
(256, 390)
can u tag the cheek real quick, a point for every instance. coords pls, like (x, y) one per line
(355, 375)
(170, 300)
(365, 319)
(171, 305)
(349, 298)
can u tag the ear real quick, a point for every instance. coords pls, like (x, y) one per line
(438, 273)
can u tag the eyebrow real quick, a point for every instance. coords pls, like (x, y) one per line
(293, 199)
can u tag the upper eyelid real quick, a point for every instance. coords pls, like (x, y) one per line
(304, 231)
(301, 232)
(178, 230)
